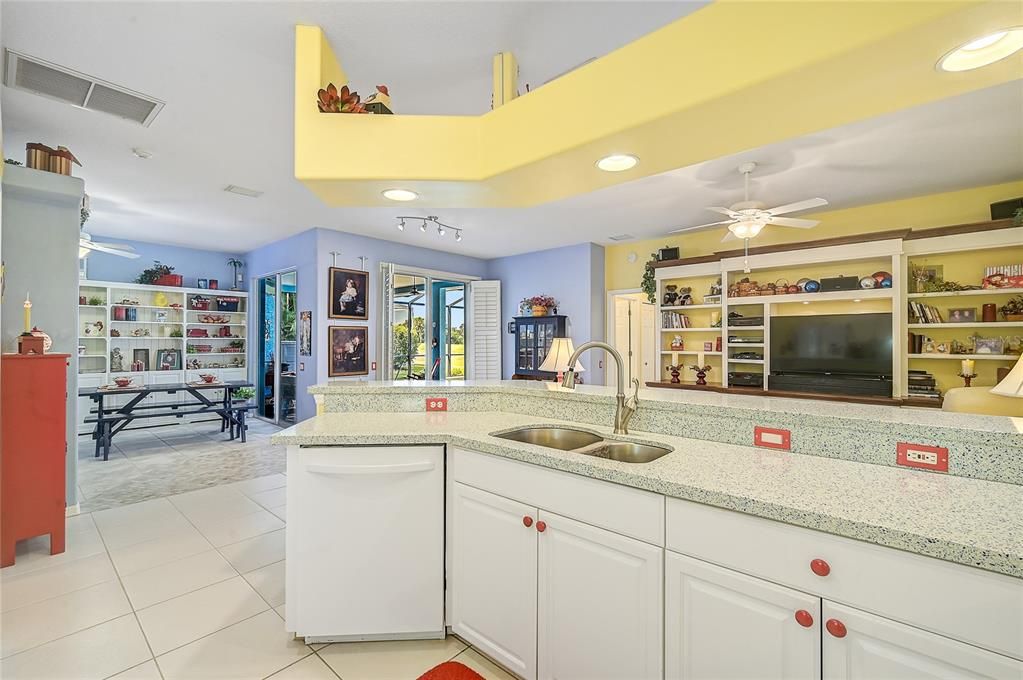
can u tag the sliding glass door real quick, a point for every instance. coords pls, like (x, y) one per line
(277, 360)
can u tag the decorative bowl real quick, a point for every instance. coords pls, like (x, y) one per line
(122, 382)
(207, 378)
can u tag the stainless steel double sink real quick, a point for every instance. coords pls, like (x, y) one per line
(586, 443)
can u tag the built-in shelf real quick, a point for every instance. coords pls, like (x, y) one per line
(165, 307)
(92, 356)
(215, 325)
(690, 351)
(217, 354)
(701, 330)
(92, 306)
(734, 345)
(830, 296)
(990, 357)
(958, 293)
(679, 308)
(158, 323)
(989, 324)
(758, 362)
(745, 328)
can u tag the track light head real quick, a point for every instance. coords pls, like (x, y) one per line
(401, 225)
(422, 227)
(458, 235)
(440, 229)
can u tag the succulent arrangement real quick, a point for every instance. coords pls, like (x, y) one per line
(332, 100)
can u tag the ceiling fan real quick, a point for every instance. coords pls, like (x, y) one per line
(747, 219)
(86, 245)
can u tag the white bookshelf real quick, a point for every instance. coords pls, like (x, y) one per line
(155, 334)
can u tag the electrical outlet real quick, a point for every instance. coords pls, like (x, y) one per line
(373, 365)
(436, 404)
(922, 456)
(772, 438)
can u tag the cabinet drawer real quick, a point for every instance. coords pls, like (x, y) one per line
(621, 509)
(979, 607)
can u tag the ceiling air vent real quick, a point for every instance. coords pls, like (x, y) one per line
(243, 191)
(621, 237)
(23, 72)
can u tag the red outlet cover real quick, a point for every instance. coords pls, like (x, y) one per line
(922, 456)
(772, 438)
(436, 403)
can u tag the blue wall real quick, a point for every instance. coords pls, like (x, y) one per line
(192, 263)
(574, 275)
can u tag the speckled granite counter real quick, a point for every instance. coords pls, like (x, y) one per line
(968, 521)
(982, 447)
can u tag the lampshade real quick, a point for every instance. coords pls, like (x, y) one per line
(1012, 384)
(558, 356)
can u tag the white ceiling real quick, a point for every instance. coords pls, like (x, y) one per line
(225, 71)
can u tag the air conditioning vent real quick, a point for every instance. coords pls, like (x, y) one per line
(40, 77)
(243, 191)
(621, 237)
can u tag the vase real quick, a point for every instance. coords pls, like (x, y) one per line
(539, 310)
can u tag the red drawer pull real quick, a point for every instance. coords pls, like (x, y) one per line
(527, 520)
(836, 628)
(804, 618)
(820, 567)
(541, 526)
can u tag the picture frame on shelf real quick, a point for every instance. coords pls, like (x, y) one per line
(168, 360)
(140, 357)
(989, 346)
(202, 284)
(160, 316)
(962, 315)
(214, 284)
(348, 291)
(347, 351)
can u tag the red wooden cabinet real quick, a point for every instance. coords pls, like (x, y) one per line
(33, 448)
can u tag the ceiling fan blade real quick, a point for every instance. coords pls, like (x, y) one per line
(116, 246)
(794, 222)
(797, 206)
(699, 227)
(724, 211)
(729, 237)
(89, 245)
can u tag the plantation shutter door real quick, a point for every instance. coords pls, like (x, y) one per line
(484, 314)
(386, 367)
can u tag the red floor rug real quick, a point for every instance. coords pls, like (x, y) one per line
(451, 670)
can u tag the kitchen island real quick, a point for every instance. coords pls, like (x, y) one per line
(929, 563)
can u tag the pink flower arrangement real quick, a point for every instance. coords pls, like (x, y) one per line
(539, 301)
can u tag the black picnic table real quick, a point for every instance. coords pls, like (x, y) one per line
(112, 419)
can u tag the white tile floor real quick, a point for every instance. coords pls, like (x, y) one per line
(188, 586)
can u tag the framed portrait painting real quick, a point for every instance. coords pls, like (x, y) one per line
(349, 294)
(347, 351)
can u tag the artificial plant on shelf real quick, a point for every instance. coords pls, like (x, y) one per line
(243, 394)
(1013, 309)
(176, 333)
(540, 305)
(649, 284)
(332, 100)
(151, 274)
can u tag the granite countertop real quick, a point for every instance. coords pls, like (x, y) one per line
(968, 521)
(697, 400)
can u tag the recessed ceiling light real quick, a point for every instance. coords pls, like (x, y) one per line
(984, 50)
(400, 195)
(617, 162)
(142, 153)
(243, 191)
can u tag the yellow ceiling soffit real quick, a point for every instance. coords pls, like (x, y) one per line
(731, 76)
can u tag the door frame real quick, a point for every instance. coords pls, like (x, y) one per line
(609, 321)
(256, 316)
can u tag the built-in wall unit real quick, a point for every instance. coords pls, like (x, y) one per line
(877, 316)
(158, 335)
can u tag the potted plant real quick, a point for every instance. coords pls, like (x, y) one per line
(539, 305)
(160, 275)
(95, 301)
(1013, 309)
(242, 395)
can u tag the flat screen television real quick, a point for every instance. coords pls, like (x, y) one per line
(836, 344)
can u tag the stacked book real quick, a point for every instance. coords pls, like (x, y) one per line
(921, 313)
(1005, 269)
(923, 386)
(674, 320)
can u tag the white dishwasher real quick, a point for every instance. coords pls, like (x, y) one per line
(365, 543)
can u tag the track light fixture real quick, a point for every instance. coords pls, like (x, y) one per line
(442, 229)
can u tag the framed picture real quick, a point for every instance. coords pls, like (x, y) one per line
(141, 357)
(989, 346)
(161, 316)
(203, 283)
(962, 315)
(349, 292)
(708, 346)
(305, 333)
(347, 351)
(214, 284)
(168, 360)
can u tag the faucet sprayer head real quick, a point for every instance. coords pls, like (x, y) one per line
(569, 379)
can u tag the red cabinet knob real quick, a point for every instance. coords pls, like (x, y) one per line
(820, 567)
(836, 628)
(541, 526)
(804, 618)
(527, 520)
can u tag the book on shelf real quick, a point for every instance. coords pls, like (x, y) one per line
(674, 320)
(1005, 270)
(921, 313)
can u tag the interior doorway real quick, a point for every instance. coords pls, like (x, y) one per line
(632, 330)
(278, 347)
(420, 303)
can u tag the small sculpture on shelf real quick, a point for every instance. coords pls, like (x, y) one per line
(685, 297)
(675, 371)
(670, 295)
(677, 343)
(116, 360)
(701, 373)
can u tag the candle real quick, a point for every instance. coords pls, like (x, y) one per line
(674, 358)
(967, 366)
(700, 360)
(28, 314)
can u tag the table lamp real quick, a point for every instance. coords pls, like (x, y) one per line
(1012, 384)
(557, 358)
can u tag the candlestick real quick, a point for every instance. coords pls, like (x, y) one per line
(700, 359)
(28, 314)
(967, 366)
(674, 358)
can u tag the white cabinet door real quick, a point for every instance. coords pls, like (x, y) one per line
(719, 623)
(493, 576)
(861, 646)
(600, 604)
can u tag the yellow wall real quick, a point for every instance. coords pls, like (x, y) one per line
(936, 210)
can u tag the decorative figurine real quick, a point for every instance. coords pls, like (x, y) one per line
(670, 295)
(701, 373)
(675, 373)
(116, 360)
(677, 343)
(686, 297)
